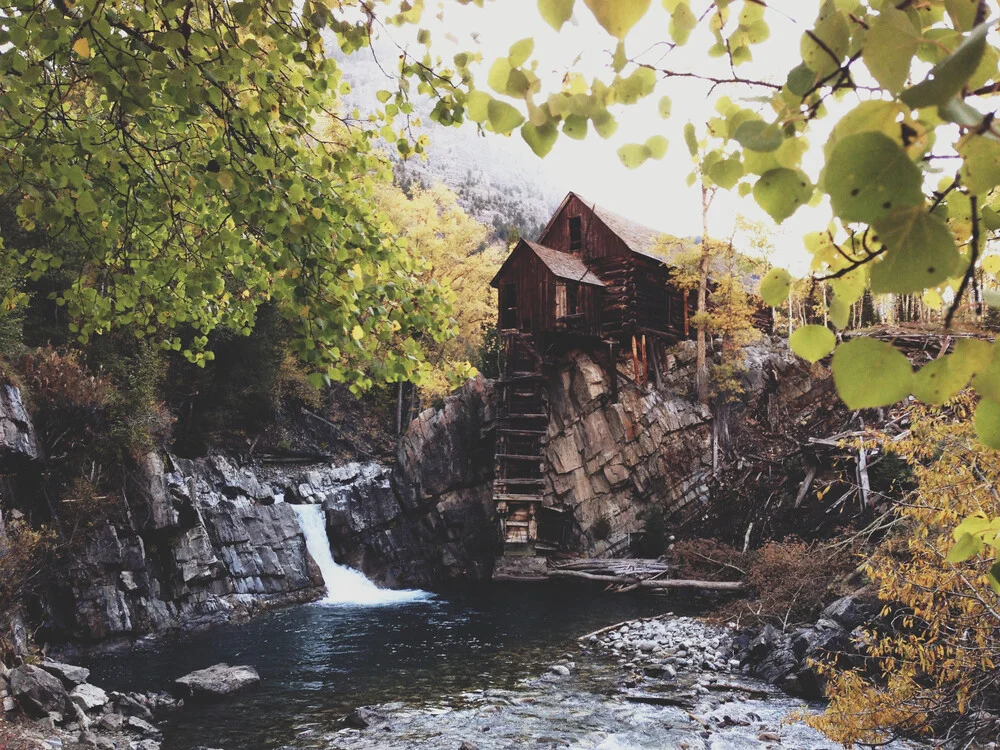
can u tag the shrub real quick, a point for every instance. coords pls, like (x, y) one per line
(935, 668)
(601, 529)
(653, 542)
(708, 560)
(792, 580)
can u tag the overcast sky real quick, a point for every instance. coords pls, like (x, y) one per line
(656, 193)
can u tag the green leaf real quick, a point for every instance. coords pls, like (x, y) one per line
(869, 373)
(85, 203)
(575, 126)
(980, 171)
(987, 421)
(657, 146)
(682, 23)
(781, 191)
(840, 313)
(835, 35)
(961, 113)
(758, 135)
(965, 547)
(618, 16)
(941, 379)
(605, 124)
(727, 172)
(947, 78)
(665, 107)
(503, 117)
(920, 252)
(499, 73)
(993, 578)
(891, 43)
(987, 380)
(633, 155)
(520, 51)
(774, 287)
(812, 342)
(690, 139)
(555, 12)
(962, 12)
(641, 83)
(478, 105)
(868, 175)
(541, 138)
(800, 80)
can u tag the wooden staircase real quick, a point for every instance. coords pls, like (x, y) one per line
(522, 424)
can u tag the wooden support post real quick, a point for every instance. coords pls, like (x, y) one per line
(635, 358)
(687, 325)
(645, 363)
(657, 377)
(613, 359)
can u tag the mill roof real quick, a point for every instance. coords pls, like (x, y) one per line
(562, 265)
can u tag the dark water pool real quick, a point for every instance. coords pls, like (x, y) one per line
(318, 662)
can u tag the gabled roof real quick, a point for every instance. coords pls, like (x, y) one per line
(639, 238)
(562, 265)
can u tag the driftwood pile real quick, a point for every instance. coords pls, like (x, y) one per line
(635, 574)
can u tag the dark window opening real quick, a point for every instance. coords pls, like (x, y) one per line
(508, 306)
(572, 299)
(575, 233)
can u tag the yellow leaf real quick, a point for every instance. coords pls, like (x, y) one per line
(82, 47)
(358, 333)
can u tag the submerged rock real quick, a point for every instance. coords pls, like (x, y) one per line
(216, 681)
(363, 717)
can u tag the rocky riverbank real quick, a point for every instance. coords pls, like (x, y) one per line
(51, 706)
(657, 682)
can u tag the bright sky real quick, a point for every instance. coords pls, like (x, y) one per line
(656, 193)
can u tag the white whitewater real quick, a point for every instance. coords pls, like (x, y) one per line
(344, 585)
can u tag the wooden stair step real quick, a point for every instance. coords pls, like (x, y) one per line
(525, 416)
(518, 457)
(523, 433)
(519, 481)
(510, 497)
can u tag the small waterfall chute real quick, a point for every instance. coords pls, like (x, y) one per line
(344, 585)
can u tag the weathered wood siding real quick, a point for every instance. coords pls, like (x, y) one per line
(537, 289)
(598, 240)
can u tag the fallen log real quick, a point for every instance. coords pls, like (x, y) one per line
(668, 583)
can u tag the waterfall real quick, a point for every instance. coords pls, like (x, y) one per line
(343, 585)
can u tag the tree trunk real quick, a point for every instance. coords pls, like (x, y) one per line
(701, 373)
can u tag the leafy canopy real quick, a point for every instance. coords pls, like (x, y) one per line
(185, 161)
(909, 168)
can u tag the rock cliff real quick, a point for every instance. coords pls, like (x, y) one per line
(190, 543)
(198, 542)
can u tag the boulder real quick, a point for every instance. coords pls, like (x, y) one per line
(216, 681)
(363, 717)
(851, 611)
(38, 691)
(69, 674)
(88, 697)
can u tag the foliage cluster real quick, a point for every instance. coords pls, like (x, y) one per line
(933, 669)
(790, 581)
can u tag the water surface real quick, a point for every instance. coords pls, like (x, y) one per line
(317, 662)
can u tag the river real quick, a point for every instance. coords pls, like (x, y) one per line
(318, 662)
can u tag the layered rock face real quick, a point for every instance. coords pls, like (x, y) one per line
(429, 520)
(201, 542)
(17, 435)
(612, 463)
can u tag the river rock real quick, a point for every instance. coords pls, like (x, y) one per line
(851, 611)
(39, 692)
(363, 717)
(216, 681)
(88, 697)
(68, 673)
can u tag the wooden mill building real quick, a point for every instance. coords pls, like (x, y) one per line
(593, 280)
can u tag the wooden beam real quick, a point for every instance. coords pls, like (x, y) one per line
(659, 584)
